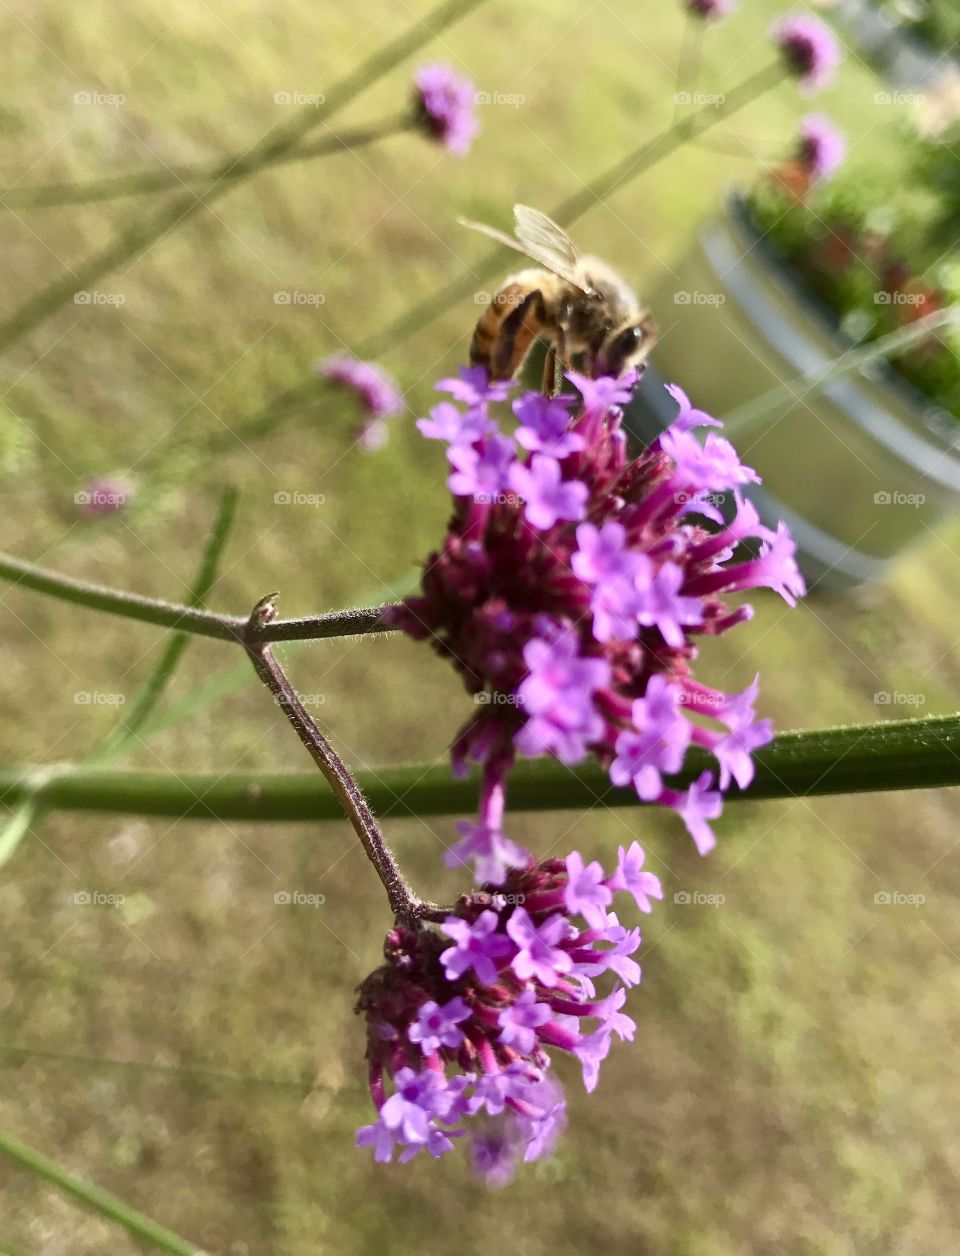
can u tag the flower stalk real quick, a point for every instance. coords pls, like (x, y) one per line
(855, 758)
(407, 908)
(190, 619)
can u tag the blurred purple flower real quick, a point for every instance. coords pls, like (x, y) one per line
(377, 391)
(710, 10)
(822, 148)
(809, 48)
(101, 496)
(446, 107)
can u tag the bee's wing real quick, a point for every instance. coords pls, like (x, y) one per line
(562, 264)
(547, 242)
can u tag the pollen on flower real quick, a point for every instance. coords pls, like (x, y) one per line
(574, 588)
(464, 1020)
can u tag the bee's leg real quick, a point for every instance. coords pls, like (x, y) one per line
(560, 361)
(548, 385)
(517, 333)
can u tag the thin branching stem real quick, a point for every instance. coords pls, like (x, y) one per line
(406, 907)
(191, 619)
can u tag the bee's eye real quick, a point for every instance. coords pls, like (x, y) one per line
(629, 340)
(622, 347)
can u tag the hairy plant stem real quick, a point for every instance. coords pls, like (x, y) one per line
(191, 619)
(406, 907)
(863, 758)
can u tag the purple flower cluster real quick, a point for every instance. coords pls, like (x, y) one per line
(821, 147)
(445, 105)
(377, 391)
(461, 1021)
(809, 49)
(572, 589)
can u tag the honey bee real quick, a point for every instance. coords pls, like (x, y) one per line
(577, 304)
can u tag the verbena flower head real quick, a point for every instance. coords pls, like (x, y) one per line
(572, 592)
(445, 103)
(809, 48)
(710, 10)
(377, 390)
(102, 496)
(463, 1020)
(821, 147)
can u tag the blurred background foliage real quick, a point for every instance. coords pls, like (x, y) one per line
(790, 1090)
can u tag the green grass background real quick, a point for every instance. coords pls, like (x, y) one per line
(791, 1090)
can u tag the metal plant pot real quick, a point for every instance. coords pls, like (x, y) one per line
(861, 468)
(905, 61)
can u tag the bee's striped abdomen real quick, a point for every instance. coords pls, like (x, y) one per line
(506, 330)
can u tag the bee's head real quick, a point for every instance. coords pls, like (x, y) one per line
(627, 345)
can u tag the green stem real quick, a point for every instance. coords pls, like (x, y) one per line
(138, 182)
(635, 163)
(850, 363)
(902, 754)
(145, 231)
(688, 62)
(99, 1201)
(190, 619)
(149, 697)
(30, 810)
